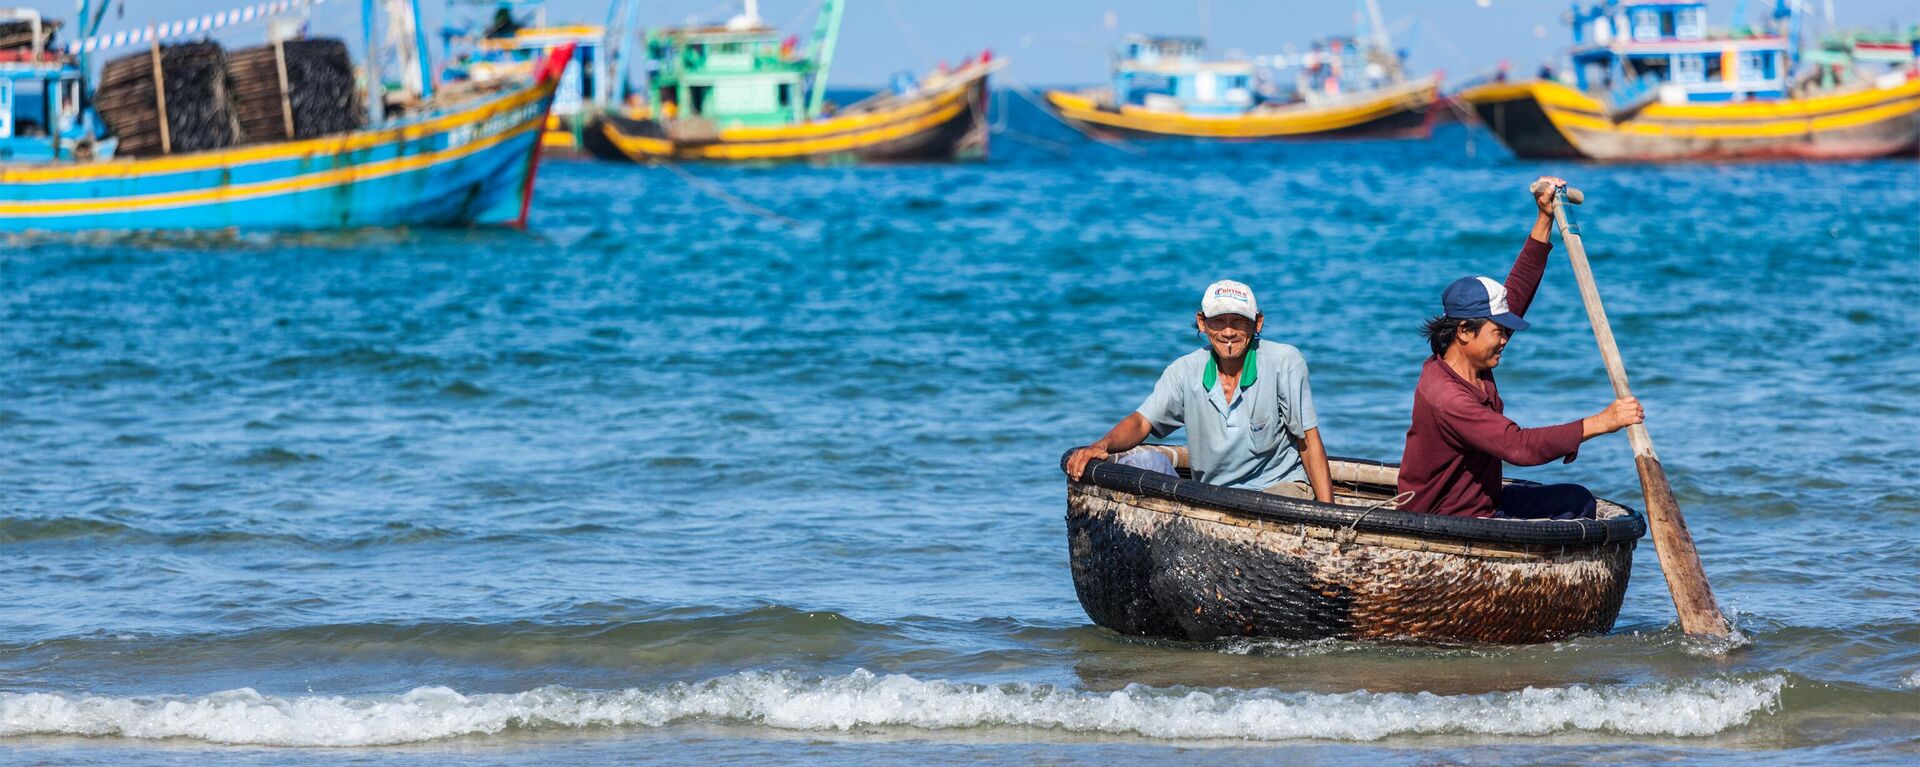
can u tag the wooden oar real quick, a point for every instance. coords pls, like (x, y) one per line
(1692, 597)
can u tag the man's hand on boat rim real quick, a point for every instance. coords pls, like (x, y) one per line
(1077, 463)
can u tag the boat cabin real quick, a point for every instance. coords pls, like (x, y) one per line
(509, 39)
(1635, 51)
(515, 54)
(44, 114)
(732, 76)
(1337, 65)
(1167, 74)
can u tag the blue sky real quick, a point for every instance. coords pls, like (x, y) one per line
(1049, 42)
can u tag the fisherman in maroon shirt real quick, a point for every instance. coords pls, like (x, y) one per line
(1459, 436)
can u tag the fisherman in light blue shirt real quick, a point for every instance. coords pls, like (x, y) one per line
(1245, 404)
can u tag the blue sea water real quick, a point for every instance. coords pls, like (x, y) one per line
(668, 479)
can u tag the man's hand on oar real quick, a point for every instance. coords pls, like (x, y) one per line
(1624, 412)
(1543, 193)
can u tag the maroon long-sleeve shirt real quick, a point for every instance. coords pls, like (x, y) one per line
(1460, 436)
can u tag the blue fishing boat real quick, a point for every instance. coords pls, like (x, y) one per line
(422, 159)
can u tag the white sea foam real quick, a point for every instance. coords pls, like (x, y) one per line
(865, 700)
(1913, 680)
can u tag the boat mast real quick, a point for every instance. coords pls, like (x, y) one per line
(88, 28)
(376, 85)
(409, 42)
(1379, 42)
(826, 33)
(1377, 27)
(423, 58)
(623, 20)
(1790, 10)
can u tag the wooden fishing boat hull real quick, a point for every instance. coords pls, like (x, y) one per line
(468, 163)
(1541, 119)
(1161, 556)
(1403, 111)
(948, 122)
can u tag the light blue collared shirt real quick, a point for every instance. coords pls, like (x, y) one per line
(1246, 443)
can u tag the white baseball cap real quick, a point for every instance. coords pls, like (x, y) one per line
(1229, 297)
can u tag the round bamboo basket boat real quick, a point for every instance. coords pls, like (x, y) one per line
(1167, 556)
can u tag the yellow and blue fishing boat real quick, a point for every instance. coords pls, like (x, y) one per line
(739, 93)
(424, 159)
(1648, 81)
(1163, 87)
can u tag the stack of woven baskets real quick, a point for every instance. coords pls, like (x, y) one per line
(320, 97)
(198, 115)
(214, 100)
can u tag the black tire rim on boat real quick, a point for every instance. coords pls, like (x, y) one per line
(1552, 532)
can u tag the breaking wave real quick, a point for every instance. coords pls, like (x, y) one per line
(865, 700)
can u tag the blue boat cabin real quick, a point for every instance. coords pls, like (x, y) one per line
(43, 116)
(1167, 74)
(1636, 51)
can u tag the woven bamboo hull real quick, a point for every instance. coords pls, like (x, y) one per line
(1545, 120)
(1404, 111)
(1153, 566)
(948, 122)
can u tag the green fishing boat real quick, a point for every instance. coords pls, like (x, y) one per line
(739, 92)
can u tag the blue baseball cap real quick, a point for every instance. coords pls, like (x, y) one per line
(1473, 297)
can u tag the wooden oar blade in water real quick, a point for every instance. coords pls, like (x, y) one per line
(1679, 560)
(1673, 542)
